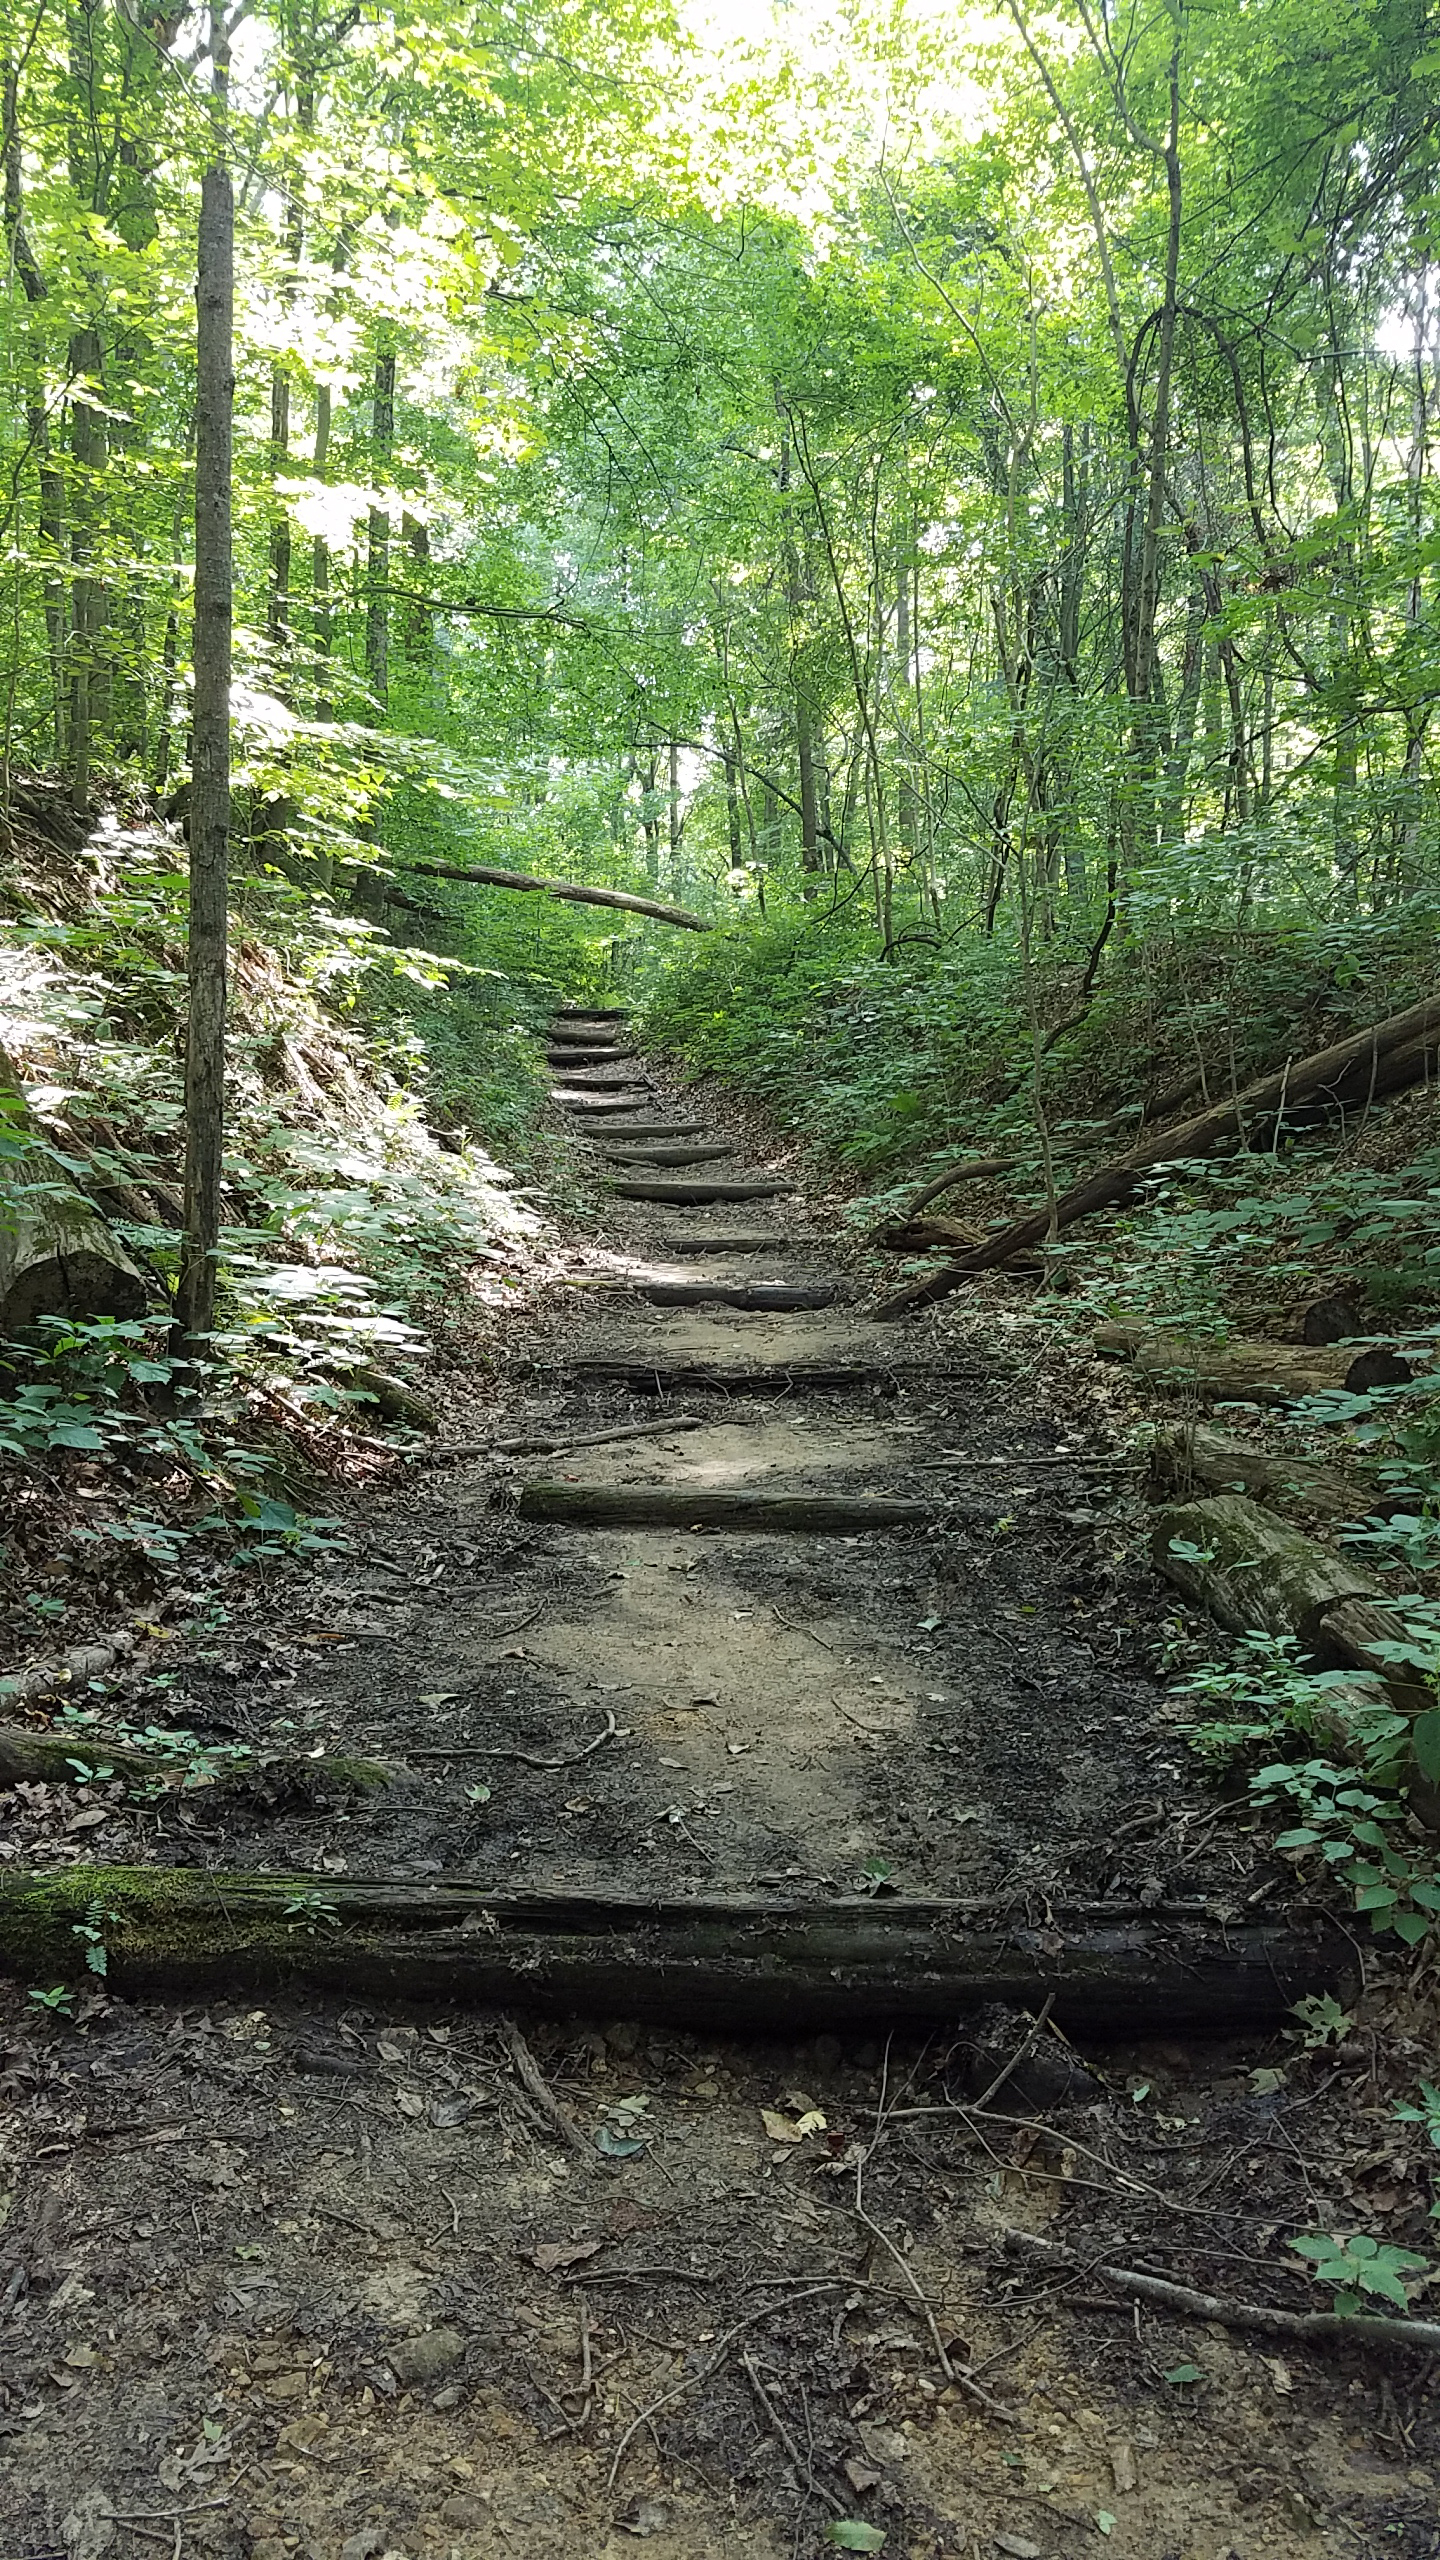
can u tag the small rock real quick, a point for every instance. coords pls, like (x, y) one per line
(1017, 2547)
(364, 2544)
(647, 2516)
(89, 2528)
(623, 2037)
(862, 2476)
(1124, 2470)
(425, 2358)
(449, 2398)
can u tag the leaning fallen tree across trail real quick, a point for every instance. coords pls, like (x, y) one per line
(574, 892)
(1378, 1060)
(744, 1963)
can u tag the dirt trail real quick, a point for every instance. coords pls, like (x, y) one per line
(294, 2276)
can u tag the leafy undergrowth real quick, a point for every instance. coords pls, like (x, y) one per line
(374, 1241)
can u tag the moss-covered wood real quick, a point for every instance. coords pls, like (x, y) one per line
(1250, 1568)
(1192, 1459)
(79, 1758)
(747, 1964)
(1228, 1373)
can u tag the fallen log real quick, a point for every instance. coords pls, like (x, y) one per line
(549, 1447)
(1193, 1459)
(591, 1105)
(790, 1297)
(1414, 1032)
(57, 1255)
(698, 1194)
(592, 1013)
(970, 1169)
(85, 1662)
(600, 1080)
(392, 1397)
(1226, 1373)
(679, 1152)
(572, 892)
(1351, 2328)
(81, 1758)
(749, 1964)
(666, 1506)
(1250, 1568)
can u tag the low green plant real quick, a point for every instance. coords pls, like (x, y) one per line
(1360, 2271)
(91, 1933)
(310, 1913)
(1322, 2021)
(59, 2000)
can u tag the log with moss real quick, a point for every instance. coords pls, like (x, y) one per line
(79, 1758)
(57, 1255)
(1191, 1459)
(1250, 1568)
(1227, 1372)
(744, 1963)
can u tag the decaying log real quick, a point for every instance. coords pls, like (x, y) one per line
(1413, 1033)
(598, 1080)
(576, 1013)
(1250, 1568)
(572, 892)
(675, 1152)
(393, 1397)
(970, 1169)
(611, 1055)
(697, 1194)
(1226, 1373)
(81, 1758)
(1191, 1459)
(67, 1670)
(752, 1965)
(549, 1447)
(755, 1297)
(667, 1506)
(1351, 2328)
(57, 1255)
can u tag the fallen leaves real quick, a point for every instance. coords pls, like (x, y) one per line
(552, 2257)
(789, 2129)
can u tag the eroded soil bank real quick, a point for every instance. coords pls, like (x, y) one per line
(293, 2275)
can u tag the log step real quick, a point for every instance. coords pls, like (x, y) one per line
(666, 1506)
(654, 1129)
(691, 1248)
(751, 1965)
(744, 1377)
(580, 1086)
(697, 1194)
(582, 1058)
(592, 1013)
(590, 1103)
(678, 1153)
(753, 1297)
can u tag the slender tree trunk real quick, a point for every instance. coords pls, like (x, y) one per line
(210, 752)
(88, 451)
(322, 628)
(377, 612)
(419, 620)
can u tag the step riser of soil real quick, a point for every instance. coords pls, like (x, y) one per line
(740, 1965)
(617, 1138)
(698, 1194)
(598, 1105)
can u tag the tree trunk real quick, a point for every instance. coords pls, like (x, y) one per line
(377, 609)
(1333, 1071)
(210, 758)
(745, 1964)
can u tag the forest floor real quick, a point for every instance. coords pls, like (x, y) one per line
(288, 2274)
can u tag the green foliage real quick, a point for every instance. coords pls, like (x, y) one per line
(1360, 2270)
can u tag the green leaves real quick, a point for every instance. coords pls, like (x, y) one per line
(1359, 2268)
(848, 2534)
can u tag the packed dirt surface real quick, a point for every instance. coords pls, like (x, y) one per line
(288, 2275)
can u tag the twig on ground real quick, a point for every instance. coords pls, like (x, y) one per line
(1420, 2337)
(1036, 2029)
(531, 2078)
(804, 2471)
(959, 2374)
(703, 2373)
(532, 1759)
(797, 1630)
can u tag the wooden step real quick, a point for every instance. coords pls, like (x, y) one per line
(592, 1013)
(677, 1153)
(664, 1377)
(649, 1129)
(696, 1194)
(577, 1060)
(694, 1248)
(754, 1297)
(592, 1105)
(668, 1506)
(602, 1081)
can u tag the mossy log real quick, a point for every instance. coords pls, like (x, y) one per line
(1228, 1373)
(1192, 1459)
(57, 1255)
(748, 1965)
(393, 1397)
(611, 1054)
(1250, 1568)
(67, 1670)
(570, 1014)
(668, 1506)
(697, 1195)
(742, 1377)
(79, 1757)
(582, 1082)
